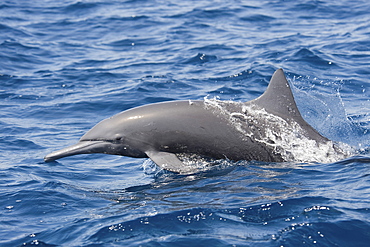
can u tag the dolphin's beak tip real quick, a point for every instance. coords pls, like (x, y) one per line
(47, 158)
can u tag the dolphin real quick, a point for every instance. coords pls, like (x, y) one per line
(269, 128)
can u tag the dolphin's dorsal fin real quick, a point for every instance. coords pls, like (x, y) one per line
(169, 161)
(278, 100)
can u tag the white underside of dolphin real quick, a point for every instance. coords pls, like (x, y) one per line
(269, 128)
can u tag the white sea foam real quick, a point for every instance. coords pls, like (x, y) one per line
(284, 137)
(194, 162)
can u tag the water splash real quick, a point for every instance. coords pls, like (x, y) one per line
(196, 163)
(286, 138)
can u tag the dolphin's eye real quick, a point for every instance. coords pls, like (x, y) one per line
(118, 138)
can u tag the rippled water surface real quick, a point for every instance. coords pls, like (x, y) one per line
(66, 65)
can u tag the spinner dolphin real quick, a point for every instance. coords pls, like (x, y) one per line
(269, 128)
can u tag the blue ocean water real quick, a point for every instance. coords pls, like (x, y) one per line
(65, 65)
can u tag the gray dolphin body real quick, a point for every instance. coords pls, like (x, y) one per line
(215, 129)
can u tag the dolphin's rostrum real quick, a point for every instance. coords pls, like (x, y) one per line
(269, 128)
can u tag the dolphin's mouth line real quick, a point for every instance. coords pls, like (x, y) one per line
(100, 140)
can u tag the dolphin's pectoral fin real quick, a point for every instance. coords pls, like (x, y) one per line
(169, 161)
